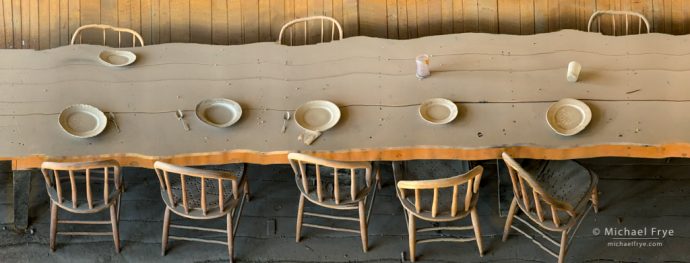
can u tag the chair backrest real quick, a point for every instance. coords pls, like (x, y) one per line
(313, 180)
(104, 28)
(528, 192)
(471, 179)
(597, 15)
(186, 189)
(322, 20)
(56, 173)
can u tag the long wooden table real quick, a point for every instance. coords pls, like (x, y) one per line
(503, 84)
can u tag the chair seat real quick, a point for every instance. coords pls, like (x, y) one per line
(194, 193)
(430, 170)
(434, 169)
(564, 180)
(327, 181)
(82, 203)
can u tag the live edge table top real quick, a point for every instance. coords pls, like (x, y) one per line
(638, 88)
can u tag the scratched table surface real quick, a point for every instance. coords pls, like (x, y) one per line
(636, 86)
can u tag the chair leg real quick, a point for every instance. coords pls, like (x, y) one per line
(363, 226)
(53, 224)
(230, 237)
(166, 229)
(119, 204)
(116, 231)
(300, 215)
(412, 232)
(477, 230)
(509, 219)
(564, 245)
(378, 175)
(119, 197)
(595, 199)
(246, 190)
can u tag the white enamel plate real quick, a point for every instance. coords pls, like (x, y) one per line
(317, 115)
(568, 116)
(218, 112)
(438, 111)
(82, 121)
(116, 58)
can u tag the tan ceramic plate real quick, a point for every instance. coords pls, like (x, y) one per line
(218, 112)
(116, 58)
(438, 111)
(568, 116)
(317, 115)
(82, 121)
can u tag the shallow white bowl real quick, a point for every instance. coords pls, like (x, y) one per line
(116, 58)
(568, 116)
(218, 112)
(317, 115)
(438, 111)
(82, 120)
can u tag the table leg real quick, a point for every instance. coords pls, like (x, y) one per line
(21, 182)
(398, 174)
(505, 188)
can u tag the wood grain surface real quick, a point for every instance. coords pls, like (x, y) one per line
(502, 84)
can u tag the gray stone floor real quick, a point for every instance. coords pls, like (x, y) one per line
(634, 194)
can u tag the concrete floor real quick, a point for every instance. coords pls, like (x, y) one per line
(634, 194)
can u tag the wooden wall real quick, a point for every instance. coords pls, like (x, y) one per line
(44, 24)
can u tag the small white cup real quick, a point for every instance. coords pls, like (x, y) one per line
(573, 71)
(423, 66)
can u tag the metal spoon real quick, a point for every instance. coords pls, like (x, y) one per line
(180, 115)
(286, 118)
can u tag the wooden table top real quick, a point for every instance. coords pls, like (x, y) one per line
(637, 87)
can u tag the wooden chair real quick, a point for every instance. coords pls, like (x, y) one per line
(105, 28)
(438, 200)
(552, 194)
(613, 13)
(315, 177)
(202, 194)
(322, 19)
(83, 197)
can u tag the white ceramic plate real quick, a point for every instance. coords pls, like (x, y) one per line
(317, 115)
(82, 121)
(438, 111)
(116, 58)
(218, 112)
(568, 116)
